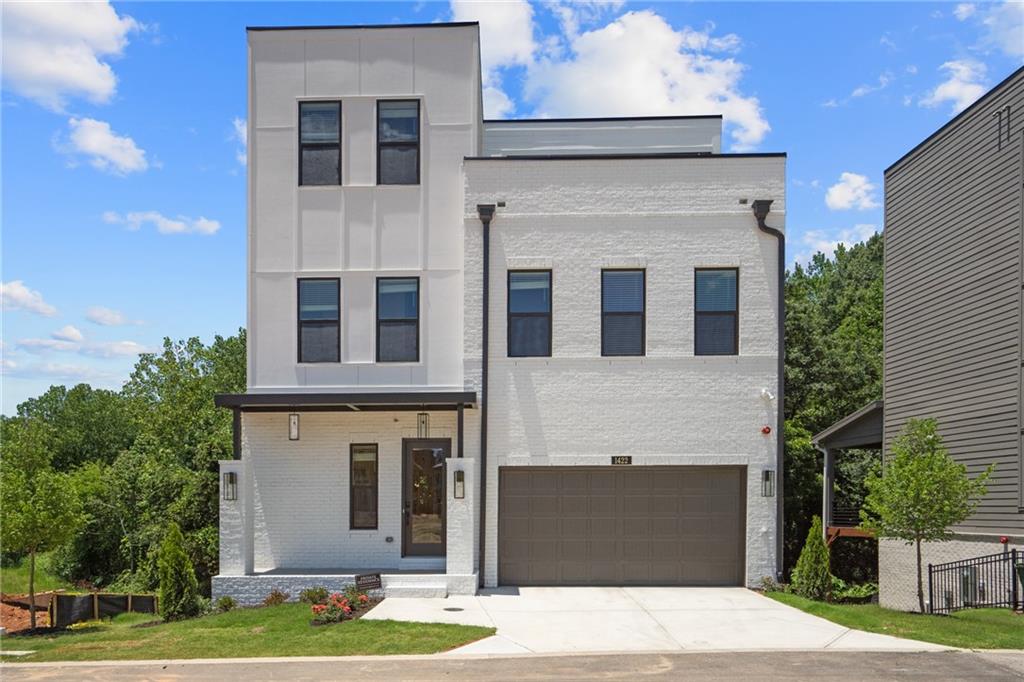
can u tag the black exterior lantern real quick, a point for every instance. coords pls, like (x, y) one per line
(229, 488)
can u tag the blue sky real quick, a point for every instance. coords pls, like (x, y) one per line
(123, 186)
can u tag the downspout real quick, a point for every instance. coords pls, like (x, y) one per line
(486, 212)
(761, 208)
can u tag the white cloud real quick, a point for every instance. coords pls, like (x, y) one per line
(1004, 28)
(106, 150)
(884, 80)
(964, 10)
(240, 134)
(113, 349)
(106, 317)
(14, 295)
(62, 371)
(47, 345)
(639, 65)
(163, 224)
(817, 241)
(852, 191)
(68, 333)
(53, 51)
(96, 349)
(911, 69)
(964, 84)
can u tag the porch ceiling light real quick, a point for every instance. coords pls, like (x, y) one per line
(293, 426)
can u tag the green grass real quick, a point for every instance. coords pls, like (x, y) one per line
(971, 629)
(271, 631)
(14, 579)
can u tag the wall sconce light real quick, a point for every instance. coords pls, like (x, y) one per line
(423, 425)
(460, 485)
(230, 486)
(768, 483)
(293, 426)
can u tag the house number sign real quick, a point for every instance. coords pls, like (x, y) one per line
(622, 459)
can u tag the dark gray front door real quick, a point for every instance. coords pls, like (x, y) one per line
(621, 525)
(423, 496)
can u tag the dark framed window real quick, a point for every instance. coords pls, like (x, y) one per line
(398, 142)
(529, 313)
(362, 486)
(398, 319)
(716, 312)
(319, 143)
(623, 312)
(319, 321)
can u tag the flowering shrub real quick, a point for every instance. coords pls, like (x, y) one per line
(339, 607)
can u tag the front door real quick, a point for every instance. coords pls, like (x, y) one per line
(423, 496)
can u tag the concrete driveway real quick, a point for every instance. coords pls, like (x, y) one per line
(596, 619)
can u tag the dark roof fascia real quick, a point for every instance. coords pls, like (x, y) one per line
(332, 27)
(848, 420)
(245, 401)
(599, 119)
(953, 121)
(619, 157)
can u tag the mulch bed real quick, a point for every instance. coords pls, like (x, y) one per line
(356, 613)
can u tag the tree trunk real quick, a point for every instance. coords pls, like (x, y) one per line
(32, 589)
(920, 583)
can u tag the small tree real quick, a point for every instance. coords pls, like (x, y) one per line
(920, 492)
(41, 508)
(812, 577)
(179, 590)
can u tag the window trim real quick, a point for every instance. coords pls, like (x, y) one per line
(298, 318)
(509, 314)
(643, 315)
(319, 145)
(398, 145)
(376, 486)
(717, 313)
(376, 305)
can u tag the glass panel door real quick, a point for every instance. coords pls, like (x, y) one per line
(424, 497)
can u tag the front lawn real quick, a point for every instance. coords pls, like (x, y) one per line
(270, 631)
(971, 629)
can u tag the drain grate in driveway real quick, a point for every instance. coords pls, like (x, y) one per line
(453, 608)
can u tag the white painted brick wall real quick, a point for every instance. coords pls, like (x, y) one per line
(670, 407)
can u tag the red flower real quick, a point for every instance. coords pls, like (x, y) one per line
(363, 598)
(319, 608)
(348, 609)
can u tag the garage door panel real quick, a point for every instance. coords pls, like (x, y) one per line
(621, 526)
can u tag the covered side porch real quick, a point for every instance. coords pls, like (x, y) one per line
(861, 430)
(323, 488)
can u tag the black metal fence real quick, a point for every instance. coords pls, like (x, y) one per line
(982, 582)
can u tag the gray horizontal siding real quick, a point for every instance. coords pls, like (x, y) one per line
(953, 298)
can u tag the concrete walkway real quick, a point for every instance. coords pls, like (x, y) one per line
(604, 619)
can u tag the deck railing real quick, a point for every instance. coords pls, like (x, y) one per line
(982, 582)
(845, 517)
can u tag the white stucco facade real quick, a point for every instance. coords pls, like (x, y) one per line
(667, 214)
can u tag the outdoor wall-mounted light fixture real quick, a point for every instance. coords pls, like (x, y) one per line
(423, 425)
(230, 486)
(768, 483)
(460, 485)
(293, 426)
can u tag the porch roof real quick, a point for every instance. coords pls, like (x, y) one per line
(346, 402)
(861, 429)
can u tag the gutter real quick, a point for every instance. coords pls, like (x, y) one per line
(761, 208)
(486, 213)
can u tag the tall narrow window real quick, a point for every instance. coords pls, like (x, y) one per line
(362, 487)
(398, 142)
(319, 337)
(319, 143)
(716, 312)
(622, 312)
(529, 313)
(398, 319)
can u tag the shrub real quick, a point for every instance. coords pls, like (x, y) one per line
(768, 584)
(811, 577)
(855, 593)
(226, 603)
(276, 598)
(179, 590)
(339, 607)
(314, 595)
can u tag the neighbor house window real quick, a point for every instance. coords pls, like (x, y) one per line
(398, 319)
(398, 142)
(362, 486)
(529, 313)
(622, 312)
(319, 337)
(716, 312)
(319, 143)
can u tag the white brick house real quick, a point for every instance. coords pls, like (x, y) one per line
(627, 429)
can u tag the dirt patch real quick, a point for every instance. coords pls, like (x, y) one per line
(16, 618)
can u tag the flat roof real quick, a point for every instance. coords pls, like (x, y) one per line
(350, 402)
(598, 119)
(440, 24)
(619, 157)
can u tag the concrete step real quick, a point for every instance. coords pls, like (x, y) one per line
(420, 591)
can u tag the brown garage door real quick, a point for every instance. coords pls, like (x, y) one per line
(621, 525)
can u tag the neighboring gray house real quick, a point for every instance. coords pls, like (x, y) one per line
(539, 352)
(954, 310)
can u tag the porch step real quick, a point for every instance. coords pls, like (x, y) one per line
(421, 590)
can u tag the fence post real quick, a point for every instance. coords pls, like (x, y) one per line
(931, 593)
(95, 606)
(1013, 579)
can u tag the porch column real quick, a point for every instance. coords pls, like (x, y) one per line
(461, 515)
(827, 486)
(236, 547)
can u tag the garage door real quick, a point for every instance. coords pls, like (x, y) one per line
(621, 525)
